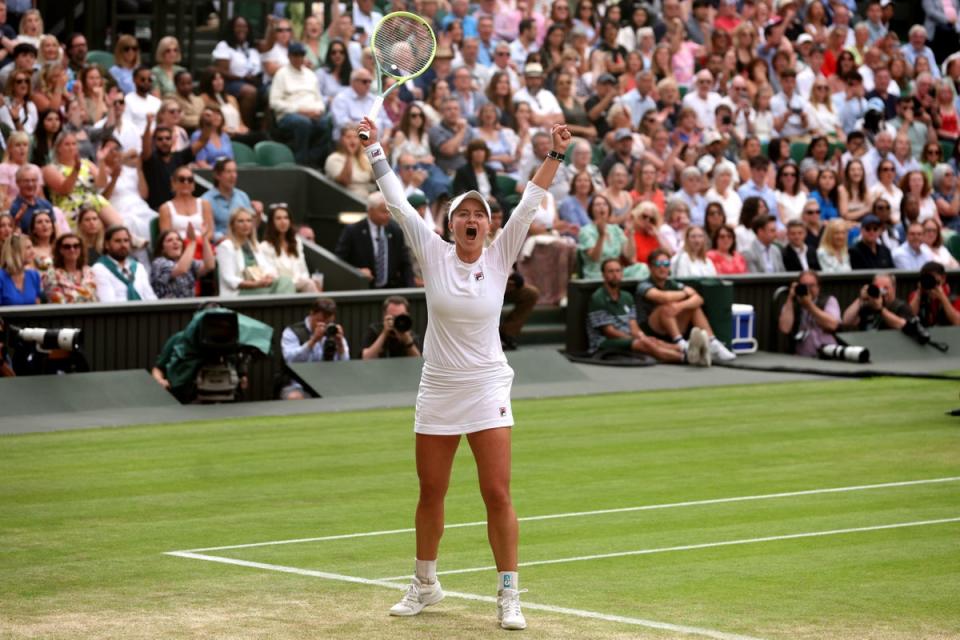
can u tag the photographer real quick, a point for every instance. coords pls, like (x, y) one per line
(317, 338)
(877, 307)
(931, 301)
(394, 337)
(808, 317)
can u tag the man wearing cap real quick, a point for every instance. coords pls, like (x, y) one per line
(296, 102)
(441, 69)
(546, 109)
(622, 153)
(868, 253)
(704, 101)
(597, 105)
(806, 73)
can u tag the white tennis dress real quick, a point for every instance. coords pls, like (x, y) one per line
(465, 385)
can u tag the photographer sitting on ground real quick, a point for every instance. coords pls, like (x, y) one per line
(809, 318)
(612, 324)
(667, 309)
(394, 337)
(931, 301)
(877, 307)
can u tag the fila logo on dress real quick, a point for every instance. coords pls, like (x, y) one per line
(478, 276)
(503, 412)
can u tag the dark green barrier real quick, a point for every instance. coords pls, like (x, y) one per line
(129, 336)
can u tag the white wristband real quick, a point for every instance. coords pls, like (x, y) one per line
(375, 152)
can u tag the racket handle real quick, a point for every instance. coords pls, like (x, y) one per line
(374, 112)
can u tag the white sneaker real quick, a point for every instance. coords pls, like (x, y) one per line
(418, 596)
(698, 352)
(508, 610)
(720, 352)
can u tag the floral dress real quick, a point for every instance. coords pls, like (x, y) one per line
(63, 287)
(84, 192)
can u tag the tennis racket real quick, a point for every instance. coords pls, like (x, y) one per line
(403, 46)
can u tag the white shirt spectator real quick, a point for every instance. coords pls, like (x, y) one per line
(277, 54)
(904, 257)
(138, 108)
(231, 265)
(683, 265)
(705, 107)
(294, 89)
(244, 60)
(637, 104)
(111, 289)
(287, 265)
(367, 21)
(543, 103)
(731, 204)
(27, 118)
(519, 53)
(349, 108)
(793, 126)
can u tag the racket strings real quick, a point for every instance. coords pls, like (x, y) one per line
(404, 47)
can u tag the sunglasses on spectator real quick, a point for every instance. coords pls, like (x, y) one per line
(885, 169)
(21, 81)
(408, 167)
(364, 80)
(649, 218)
(882, 206)
(118, 101)
(416, 114)
(789, 174)
(282, 29)
(871, 227)
(73, 246)
(661, 263)
(184, 179)
(933, 152)
(817, 211)
(131, 47)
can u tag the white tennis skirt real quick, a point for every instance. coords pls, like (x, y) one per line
(454, 402)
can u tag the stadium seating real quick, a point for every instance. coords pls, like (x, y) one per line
(102, 58)
(244, 154)
(273, 154)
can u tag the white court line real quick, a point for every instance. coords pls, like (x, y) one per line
(577, 514)
(580, 613)
(706, 545)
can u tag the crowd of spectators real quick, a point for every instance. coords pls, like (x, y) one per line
(719, 136)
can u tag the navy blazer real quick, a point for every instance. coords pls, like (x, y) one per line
(356, 247)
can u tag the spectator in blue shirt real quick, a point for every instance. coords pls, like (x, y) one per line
(18, 285)
(757, 185)
(218, 143)
(225, 198)
(917, 47)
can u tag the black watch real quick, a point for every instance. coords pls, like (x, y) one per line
(559, 157)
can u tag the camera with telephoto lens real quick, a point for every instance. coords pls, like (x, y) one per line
(801, 290)
(917, 331)
(928, 281)
(402, 323)
(330, 344)
(844, 352)
(873, 291)
(41, 351)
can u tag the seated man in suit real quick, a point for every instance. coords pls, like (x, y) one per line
(763, 256)
(376, 247)
(797, 255)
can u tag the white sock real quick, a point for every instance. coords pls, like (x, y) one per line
(508, 580)
(426, 571)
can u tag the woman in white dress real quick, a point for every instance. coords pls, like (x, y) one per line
(282, 249)
(465, 385)
(691, 261)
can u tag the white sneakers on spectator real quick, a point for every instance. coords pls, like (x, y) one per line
(508, 610)
(720, 352)
(418, 595)
(698, 348)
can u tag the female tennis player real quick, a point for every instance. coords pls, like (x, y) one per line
(465, 385)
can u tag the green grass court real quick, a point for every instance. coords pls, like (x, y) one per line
(87, 517)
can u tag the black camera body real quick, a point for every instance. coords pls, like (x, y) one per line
(330, 344)
(928, 281)
(801, 290)
(873, 291)
(331, 330)
(402, 323)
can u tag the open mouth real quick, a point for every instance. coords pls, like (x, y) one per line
(471, 232)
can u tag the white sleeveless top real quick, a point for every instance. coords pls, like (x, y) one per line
(179, 222)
